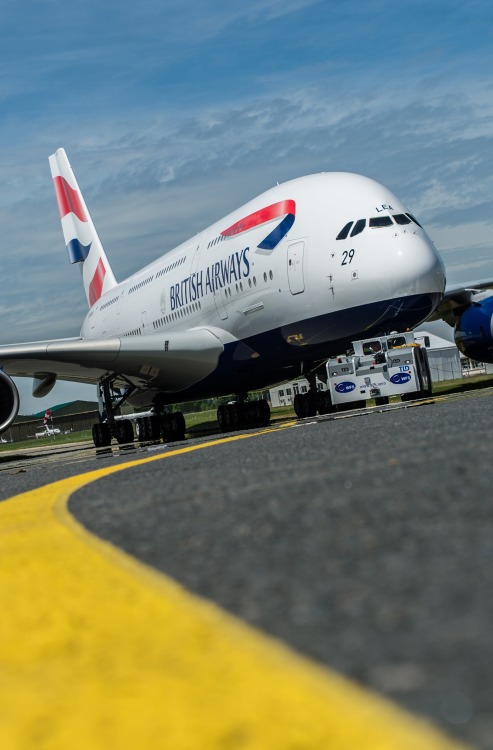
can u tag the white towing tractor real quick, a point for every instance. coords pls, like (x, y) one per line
(380, 367)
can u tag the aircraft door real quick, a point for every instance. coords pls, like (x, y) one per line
(195, 260)
(296, 277)
(219, 302)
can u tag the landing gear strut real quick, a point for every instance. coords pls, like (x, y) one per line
(122, 430)
(149, 429)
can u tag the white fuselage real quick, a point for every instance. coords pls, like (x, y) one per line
(301, 297)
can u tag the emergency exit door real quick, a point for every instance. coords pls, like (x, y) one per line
(295, 267)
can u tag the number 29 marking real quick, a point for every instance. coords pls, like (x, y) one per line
(347, 257)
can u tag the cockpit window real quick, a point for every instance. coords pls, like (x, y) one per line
(344, 231)
(401, 219)
(415, 220)
(381, 221)
(358, 227)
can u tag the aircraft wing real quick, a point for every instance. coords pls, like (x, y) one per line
(456, 298)
(170, 361)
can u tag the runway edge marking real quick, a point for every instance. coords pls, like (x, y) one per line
(99, 651)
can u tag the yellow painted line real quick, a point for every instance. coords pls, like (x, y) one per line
(99, 651)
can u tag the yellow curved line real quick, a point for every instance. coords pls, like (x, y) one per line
(99, 651)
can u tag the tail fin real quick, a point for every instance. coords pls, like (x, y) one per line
(81, 238)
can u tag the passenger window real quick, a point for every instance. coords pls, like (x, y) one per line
(401, 219)
(381, 221)
(358, 227)
(344, 231)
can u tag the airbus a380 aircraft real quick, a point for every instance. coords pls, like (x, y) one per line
(263, 295)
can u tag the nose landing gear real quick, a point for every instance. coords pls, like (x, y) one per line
(308, 404)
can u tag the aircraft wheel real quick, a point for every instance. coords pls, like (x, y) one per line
(427, 381)
(305, 405)
(124, 432)
(177, 424)
(300, 406)
(101, 435)
(324, 403)
(172, 426)
(222, 417)
(232, 416)
(264, 412)
(148, 429)
(251, 413)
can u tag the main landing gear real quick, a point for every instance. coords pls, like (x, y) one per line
(239, 414)
(308, 404)
(151, 428)
(169, 427)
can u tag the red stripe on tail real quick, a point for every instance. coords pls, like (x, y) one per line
(96, 285)
(68, 199)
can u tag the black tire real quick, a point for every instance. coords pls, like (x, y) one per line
(149, 429)
(101, 435)
(311, 399)
(264, 412)
(324, 403)
(124, 431)
(178, 425)
(427, 380)
(222, 417)
(233, 416)
(252, 413)
(300, 405)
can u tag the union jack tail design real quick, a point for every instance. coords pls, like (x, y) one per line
(81, 238)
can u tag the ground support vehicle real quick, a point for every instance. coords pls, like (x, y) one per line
(380, 367)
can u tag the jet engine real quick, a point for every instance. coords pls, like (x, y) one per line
(9, 401)
(472, 331)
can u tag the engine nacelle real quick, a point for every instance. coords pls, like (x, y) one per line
(9, 401)
(473, 332)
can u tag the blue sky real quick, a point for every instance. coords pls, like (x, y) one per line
(174, 113)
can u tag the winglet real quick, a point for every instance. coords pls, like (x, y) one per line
(81, 237)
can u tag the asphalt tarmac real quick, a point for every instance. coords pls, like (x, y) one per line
(366, 543)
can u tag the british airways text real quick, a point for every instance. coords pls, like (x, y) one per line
(216, 276)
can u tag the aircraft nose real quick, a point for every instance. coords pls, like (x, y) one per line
(415, 266)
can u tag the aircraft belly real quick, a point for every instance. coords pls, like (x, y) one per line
(201, 363)
(286, 351)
